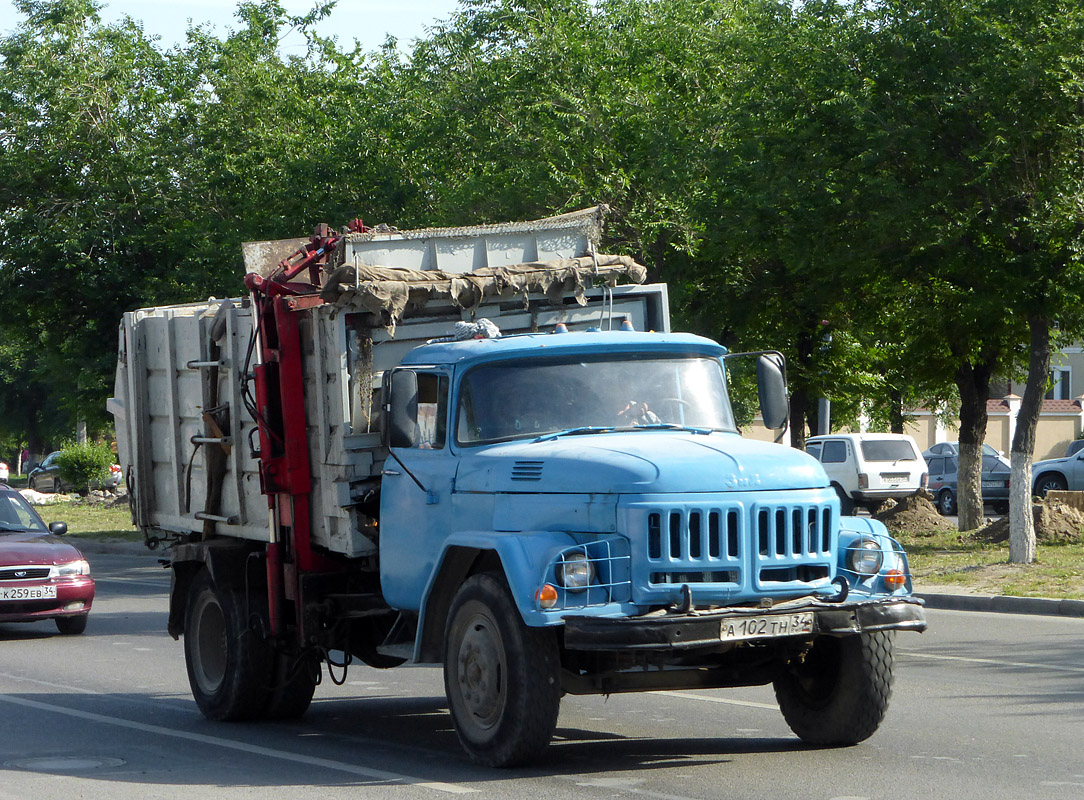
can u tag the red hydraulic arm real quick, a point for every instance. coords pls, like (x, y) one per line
(285, 470)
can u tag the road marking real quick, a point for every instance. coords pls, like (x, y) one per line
(707, 698)
(283, 755)
(623, 785)
(162, 584)
(992, 662)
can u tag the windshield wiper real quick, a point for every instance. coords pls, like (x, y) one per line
(668, 426)
(576, 432)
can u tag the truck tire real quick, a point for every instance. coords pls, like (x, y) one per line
(229, 667)
(838, 694)
(501, 677)
(292, 686)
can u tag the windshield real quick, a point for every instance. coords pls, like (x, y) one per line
(888, 450)
(524, 399)
(17, 515)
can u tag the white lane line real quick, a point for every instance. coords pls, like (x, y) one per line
(282, 755)
(707, 698)
(134, 582)
(994, 662)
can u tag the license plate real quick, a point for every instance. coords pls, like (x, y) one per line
(46, 592)
(766, 627)
(993, 484)
(894, 478)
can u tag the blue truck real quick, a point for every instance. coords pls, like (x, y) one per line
(482, 448)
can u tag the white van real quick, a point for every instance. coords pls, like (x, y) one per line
(866, 468)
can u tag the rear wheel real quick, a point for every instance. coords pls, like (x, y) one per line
(229, 667)
(946, 503)
(846, 504)
(70, 626)
(500, 675)
(293, 686)
(838, 693)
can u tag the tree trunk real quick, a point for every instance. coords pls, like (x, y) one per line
(973, 382)
(1021, 520)
(895, 410)
(799, 413)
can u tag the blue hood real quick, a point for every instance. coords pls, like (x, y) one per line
(637, 462)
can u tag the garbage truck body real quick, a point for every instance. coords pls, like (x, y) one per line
(483, 448)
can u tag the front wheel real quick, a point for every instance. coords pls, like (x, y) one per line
(1050, 483)
(229, 667)
(71, 626)
(838, 693)
(501, 676)
(946, 503)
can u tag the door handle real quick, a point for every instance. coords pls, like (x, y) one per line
(391, 472)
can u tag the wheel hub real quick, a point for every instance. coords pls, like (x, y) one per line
(479, 673)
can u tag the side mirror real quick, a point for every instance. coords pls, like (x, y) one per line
(772, 390)
(402, 409)
(58, 528)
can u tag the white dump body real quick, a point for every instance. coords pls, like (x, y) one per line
(163, 383)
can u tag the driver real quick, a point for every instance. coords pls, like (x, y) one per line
(637, 414)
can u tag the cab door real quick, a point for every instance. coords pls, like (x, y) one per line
(416, 484)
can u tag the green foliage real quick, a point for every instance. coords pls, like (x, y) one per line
(84, 465)
(902, 176)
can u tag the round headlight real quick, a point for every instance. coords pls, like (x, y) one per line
(575, 572)
(865, 557)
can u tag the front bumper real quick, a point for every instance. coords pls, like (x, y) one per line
(74, 598)
(866, 495)
(686, 631)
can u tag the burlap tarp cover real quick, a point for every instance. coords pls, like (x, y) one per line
(392, 292)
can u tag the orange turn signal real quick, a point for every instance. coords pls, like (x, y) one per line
(547, 596)
(895, 579)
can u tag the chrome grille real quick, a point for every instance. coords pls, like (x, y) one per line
(29, 573)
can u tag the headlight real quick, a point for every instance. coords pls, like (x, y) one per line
(575, 571)
(70, 570)
(865, 557)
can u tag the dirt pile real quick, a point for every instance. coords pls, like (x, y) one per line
(914, 515)
(1054, 522)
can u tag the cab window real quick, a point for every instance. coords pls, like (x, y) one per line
(432, 411)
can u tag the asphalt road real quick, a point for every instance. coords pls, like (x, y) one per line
(985, 706)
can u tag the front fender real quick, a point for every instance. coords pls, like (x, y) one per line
(522, 558)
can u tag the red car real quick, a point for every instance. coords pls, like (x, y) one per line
(41, 575)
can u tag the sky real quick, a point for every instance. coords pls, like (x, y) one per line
(369, 21)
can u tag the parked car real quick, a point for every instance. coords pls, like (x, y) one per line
(953, 449)
(45, 477)
(866, 468)
(5, 473)
(1074, 447)
(1058, 474)
(41, 575)
(944, 483)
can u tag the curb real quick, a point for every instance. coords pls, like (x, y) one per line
(1003, 604)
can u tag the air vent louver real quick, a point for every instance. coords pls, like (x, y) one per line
(527, 471)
